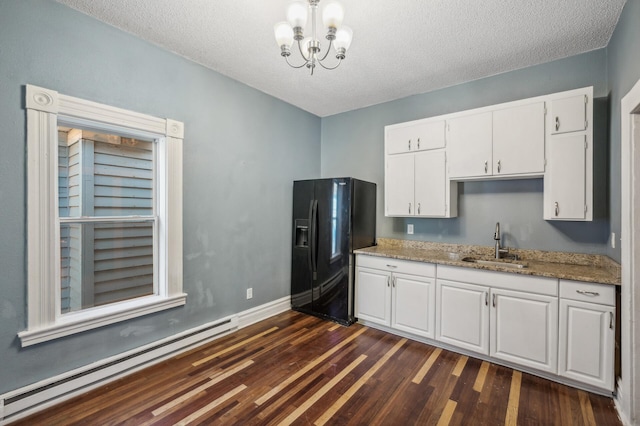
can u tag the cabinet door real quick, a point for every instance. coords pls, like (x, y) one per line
(586, 340)
(430, 184)
(469, 141)
(524, 329)
(398, 185)
(413, 304)
(398, 140)
(429, 135)
(373, 295)
(462, 317)
(569, 114)
(518, 140)
(565, 180)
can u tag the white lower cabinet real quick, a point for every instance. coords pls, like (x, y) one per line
(413, 303)
(397, 294)
(563, 328)
(373, 295)
(587, 333)
(463, 315)
(524, 329)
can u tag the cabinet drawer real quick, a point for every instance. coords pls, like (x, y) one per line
(602, 294)
(395, 265)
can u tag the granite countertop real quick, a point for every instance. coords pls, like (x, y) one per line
(568, 266)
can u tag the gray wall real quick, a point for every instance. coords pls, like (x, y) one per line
(237, 176)
(352, 144)
(623, 60)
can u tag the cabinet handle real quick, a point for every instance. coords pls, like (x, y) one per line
(611, 320)
(409, 144)
(557, 123)
(409, 208)
(388, 281)
(485, 167)
(391, 266)
(499, 166)
(486, 298)
(418, 143)
(494, 301)
(557, 208)
(588, 293)
(418, 208)
(393, 281)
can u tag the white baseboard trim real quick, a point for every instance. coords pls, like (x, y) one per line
(30, 399)
(259, 313)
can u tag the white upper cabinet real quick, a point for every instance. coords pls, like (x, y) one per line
(399, 185)
(469, 141)
(547, 136)
(565, 192)
(569, 114)
(568, 178)
(518, 140)
(416, 183)
(430, 184)
(415, 136)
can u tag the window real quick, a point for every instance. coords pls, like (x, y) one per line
(104, 215)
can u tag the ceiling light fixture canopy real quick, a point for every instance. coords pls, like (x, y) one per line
(339, 36)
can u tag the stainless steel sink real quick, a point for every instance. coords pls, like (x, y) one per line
(505, 263)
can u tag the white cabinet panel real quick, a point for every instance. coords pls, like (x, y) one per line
(569, 114)
(469, 144)
(413, 304)
(373, 295)
(399, 185)
(430, 184)
(566, 177)
(463, 315)
(518, 140)
(417, 136)
(524, 329)
(587, 343)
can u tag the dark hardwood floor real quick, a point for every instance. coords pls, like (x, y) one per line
(298, 369)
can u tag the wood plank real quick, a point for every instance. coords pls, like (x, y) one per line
(482, 375)
(191, 418)
(223, 351)
(511, 418)
(460, 366)
(447, 413)
(427, 365)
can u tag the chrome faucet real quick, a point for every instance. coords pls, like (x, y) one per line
(496, 236)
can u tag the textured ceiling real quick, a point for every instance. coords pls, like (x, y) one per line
(400, 47)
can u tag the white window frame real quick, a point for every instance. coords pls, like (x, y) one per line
(44, 107)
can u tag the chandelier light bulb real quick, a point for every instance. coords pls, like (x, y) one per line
(297, 14)
(344, 36)
(284, 34)
(332, 15)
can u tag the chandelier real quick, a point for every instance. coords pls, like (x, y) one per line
(339, 36)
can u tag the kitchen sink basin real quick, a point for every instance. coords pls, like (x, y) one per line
(505, 263)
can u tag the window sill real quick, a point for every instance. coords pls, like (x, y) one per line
(97, 317)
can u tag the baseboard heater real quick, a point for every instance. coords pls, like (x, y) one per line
(30, 399)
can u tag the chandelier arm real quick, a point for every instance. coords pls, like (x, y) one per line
(328, 50)
(295, 66)
(330, 68)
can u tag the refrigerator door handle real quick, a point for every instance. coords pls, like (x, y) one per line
(309, 253)
(314, 238)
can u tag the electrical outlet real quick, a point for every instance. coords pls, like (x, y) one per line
(410, 228)
(249, 293)
(613, 240)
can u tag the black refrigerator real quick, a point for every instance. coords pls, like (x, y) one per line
(331, 218)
